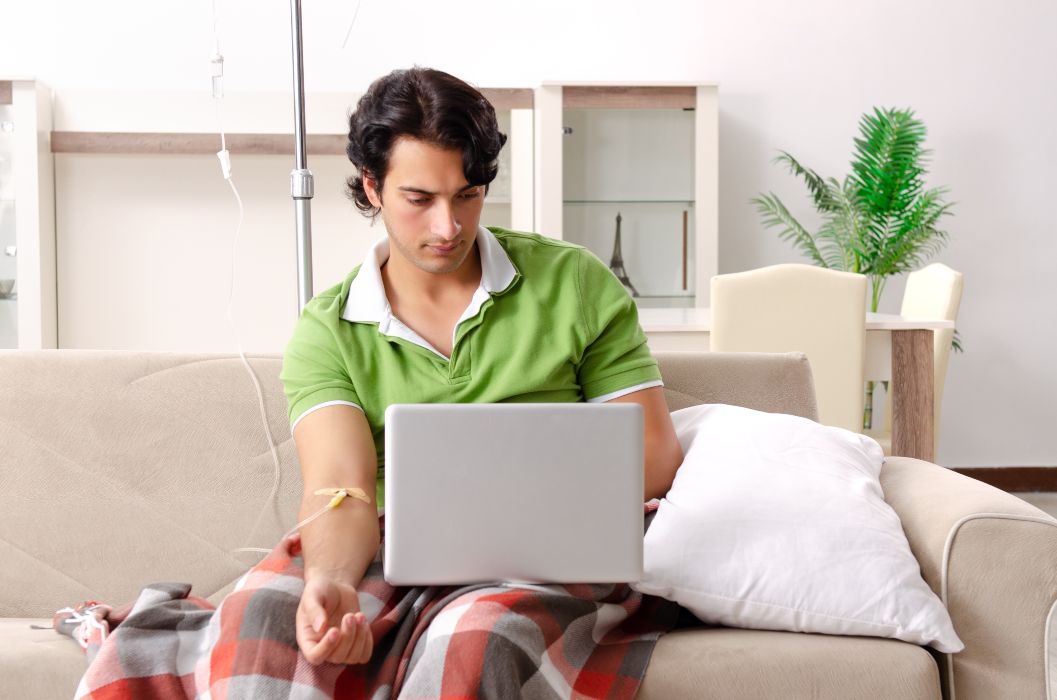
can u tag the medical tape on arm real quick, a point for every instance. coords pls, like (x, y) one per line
(339, 494)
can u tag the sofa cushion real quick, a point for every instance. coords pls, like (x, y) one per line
(38, 664)
(735, 664)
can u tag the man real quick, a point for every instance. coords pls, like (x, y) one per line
(442, 310)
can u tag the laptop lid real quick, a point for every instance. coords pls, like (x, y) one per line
(528, 492)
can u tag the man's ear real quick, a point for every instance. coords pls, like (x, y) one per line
(370, 186)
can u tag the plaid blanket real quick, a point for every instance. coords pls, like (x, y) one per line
(495, 640)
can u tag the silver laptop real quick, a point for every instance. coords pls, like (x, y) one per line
(548, 493)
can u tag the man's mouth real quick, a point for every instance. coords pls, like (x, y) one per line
(442, 249)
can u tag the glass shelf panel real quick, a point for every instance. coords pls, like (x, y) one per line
(628, 154)
(8, 241)
(629, 201)
(657, 243)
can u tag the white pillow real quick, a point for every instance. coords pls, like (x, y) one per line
(777, 522)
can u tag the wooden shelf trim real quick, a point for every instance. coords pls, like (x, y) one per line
(192, 144)
(510, 98)
(630, 97)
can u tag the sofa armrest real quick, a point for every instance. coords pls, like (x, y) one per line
(992, 559)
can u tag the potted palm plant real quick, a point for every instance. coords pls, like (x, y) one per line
(880, 220)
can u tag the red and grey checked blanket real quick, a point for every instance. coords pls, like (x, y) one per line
(495, 640)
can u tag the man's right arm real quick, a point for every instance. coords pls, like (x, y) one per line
(336, 450)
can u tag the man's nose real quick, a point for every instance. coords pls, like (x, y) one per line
(443, 224)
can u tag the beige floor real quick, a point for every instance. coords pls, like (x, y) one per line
(1043, 500)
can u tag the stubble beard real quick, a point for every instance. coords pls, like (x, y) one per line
(421, 256)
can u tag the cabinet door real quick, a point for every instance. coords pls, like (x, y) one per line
(628, 180)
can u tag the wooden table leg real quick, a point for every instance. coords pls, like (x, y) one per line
(913, 385)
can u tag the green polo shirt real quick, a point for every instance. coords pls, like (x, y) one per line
(549, 323)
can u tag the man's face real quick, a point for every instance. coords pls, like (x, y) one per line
(430, 211)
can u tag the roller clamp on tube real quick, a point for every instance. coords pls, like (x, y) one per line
(216, 71)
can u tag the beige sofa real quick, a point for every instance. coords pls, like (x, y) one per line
(118, 469)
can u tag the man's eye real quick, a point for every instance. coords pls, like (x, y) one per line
(470, 195)
(419, 202)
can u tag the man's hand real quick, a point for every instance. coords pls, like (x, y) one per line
(330, 626)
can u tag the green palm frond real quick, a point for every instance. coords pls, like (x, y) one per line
(815, 183)
(887, 169)
(889, 160)
(776, 215)
(839, 235)
(916, 238)
(831, 240)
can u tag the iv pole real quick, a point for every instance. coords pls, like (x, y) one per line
(301, 182)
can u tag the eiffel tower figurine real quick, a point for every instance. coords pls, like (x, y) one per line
(616, 263)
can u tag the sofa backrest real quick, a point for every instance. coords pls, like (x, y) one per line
(124, 468)
(772, 382)
(119, 469)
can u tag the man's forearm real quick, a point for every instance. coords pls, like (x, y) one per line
(663, 453)
(660, 472)
(342, 542)
(663, 457)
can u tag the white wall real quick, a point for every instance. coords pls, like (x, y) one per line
(794, 76)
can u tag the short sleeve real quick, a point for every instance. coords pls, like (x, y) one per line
(616, 356)
(314, 373)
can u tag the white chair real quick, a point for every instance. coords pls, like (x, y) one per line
(800, 308)
(933, 292)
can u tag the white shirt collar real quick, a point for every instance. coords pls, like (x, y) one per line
(367, 303)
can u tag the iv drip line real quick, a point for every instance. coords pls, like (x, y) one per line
(301, 189)
(348, 33)
(217, 65)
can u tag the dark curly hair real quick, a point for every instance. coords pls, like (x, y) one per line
(428, 105)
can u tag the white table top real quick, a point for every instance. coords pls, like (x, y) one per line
(700, 320)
